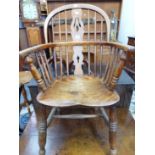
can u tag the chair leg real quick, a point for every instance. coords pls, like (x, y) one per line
(26, 101)
(42, 129)
(112, 130)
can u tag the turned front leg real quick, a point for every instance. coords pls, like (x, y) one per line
(112, 130)
(42, 129)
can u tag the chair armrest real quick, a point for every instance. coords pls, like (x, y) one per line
(40, 47)
(124, 47)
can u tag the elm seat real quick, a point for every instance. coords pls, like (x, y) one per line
(74, 90)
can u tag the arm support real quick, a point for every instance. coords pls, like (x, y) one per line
(36, 74)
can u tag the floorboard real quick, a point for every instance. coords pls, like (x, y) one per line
(80, 137)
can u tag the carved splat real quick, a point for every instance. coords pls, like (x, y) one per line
(77, 31)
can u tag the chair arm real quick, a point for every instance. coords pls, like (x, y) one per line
(124, 47)
(118, 69)
(40, 47)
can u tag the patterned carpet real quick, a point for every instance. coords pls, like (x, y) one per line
(24, 115)
(24, 119)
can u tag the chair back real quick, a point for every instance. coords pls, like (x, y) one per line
(77, 22)
(78, 46)
(91, 21)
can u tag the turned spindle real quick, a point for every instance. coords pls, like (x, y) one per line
(117, 72)
(42, 125)
(112, 130)
(36, 74)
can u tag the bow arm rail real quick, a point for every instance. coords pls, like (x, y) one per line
(27, 51)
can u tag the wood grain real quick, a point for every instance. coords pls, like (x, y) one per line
(33, 35)
(80, 137)
(73, 90)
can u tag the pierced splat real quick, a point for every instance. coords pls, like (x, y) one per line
(77, 31)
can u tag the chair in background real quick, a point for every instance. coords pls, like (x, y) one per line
(24, 78)
(83, 67)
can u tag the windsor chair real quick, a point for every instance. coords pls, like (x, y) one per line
(67, 78)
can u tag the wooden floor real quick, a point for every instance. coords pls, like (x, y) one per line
(80, 137)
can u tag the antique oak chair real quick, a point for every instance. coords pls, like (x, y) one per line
(83, 67)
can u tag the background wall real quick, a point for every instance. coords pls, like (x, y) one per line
(127, 22)
(106, 5)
